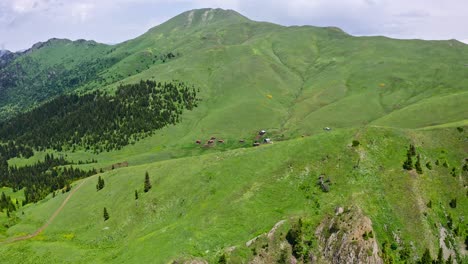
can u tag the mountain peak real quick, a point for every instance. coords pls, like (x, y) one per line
(210, 15)
(203, 17)
(59, 41)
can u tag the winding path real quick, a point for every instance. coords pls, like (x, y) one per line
(49, 221)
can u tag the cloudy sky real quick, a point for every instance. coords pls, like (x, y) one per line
(25, 22)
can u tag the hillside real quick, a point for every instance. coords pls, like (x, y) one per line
(209, 199)
(202, 206)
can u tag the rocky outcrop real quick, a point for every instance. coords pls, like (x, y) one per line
(6, 57)
(347, 237)
(3, 52)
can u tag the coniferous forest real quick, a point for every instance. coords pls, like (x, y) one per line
(95, 121)
(98, 121)
(41, 178)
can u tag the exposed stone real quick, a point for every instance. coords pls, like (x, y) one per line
(348, 238)
(339, 210)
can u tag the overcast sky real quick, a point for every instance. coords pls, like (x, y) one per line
(25, 22)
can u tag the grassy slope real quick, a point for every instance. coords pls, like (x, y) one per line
(200, 205)
(316, 77)
(49, 58)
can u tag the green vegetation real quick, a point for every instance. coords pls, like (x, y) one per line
(210, 202)
(100, 184)
(100, 122)
(41, 178)
(388, 102)
(147, 182)
(106, 214)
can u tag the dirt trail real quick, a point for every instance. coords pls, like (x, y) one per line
(49, 221)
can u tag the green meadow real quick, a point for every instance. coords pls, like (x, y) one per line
(292, 82)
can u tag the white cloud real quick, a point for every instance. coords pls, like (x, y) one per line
(82, 11)
(25, 22)
(23, 6)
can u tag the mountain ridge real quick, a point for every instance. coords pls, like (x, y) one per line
(293, 132)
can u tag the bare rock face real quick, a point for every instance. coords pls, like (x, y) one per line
(347, 237)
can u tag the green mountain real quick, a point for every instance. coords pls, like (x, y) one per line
(392, 161)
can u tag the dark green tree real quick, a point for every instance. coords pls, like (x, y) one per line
(100, 184)
(355, 143)
(440, 257)
(465, 167)
(408, 164)
(426, 257)
(453, 172)
(449, 221)
(453, 203)
(147, 182)
(417, 165)
(412, 150)
(106, 214)
(445, 164)
(222, 259)
(136, 195)
(429, 204)
(449, 260)
(294, 238)
(429, 165)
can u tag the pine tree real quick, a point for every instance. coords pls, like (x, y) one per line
(449, 260)
(136, 195)
(417, 165)
(100, 184)
(222, 259)
(408, 164)
(426, 258)
(440, 257)
(147, 182)
(453, 203)
(355, 143)
(429, 165)
(412, 150)
(106, 214)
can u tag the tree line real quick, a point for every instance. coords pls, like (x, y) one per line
(99, 121)
(41, 178)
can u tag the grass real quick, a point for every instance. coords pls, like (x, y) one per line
(200, 205)
(293, 82)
